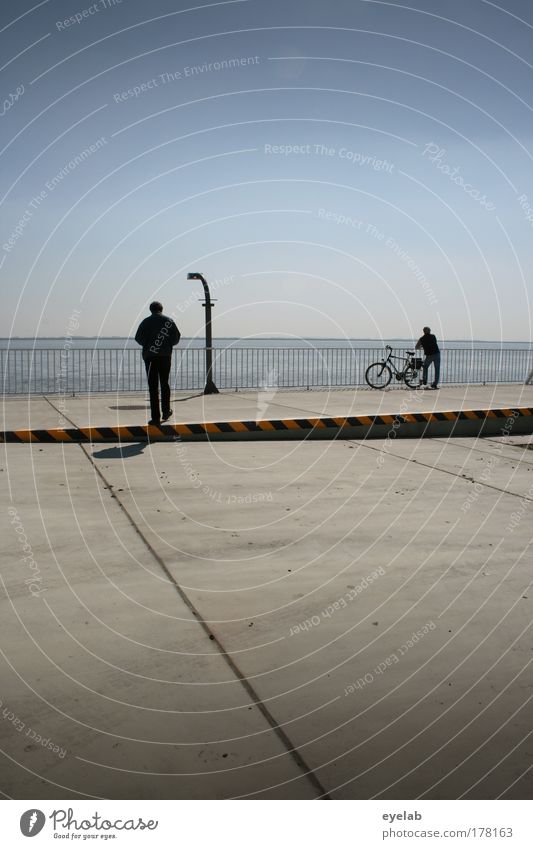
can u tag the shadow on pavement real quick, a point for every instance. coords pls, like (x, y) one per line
(131, 407)
(147, 405)
(121, 451)
(187, 398)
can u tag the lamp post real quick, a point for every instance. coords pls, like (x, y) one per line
(210, 388)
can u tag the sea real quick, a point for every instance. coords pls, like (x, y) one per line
(113, 364)
(256, 342)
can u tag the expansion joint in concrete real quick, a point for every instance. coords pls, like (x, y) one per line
(214, 638)
(463, 478)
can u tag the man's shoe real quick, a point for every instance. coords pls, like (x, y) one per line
(434, 386)
(167, 416)
(155, 422)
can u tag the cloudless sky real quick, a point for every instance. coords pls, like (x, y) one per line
(352, 168)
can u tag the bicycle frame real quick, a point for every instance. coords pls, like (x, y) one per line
(407, 361)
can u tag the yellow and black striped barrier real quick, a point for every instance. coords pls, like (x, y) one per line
(447, 423)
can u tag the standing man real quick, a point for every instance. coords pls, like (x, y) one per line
(432, 355)
(158, 334)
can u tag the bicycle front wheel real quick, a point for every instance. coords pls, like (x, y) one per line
(411, 376)
(378, 375)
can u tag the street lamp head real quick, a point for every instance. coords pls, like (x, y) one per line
(194, 275)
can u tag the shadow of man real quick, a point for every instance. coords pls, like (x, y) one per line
(119, 452)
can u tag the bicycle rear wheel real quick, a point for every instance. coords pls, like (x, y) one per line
(411, 376)
(378, 375)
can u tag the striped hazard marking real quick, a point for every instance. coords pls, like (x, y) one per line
(335, 425)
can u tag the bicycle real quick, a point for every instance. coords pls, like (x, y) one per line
(379, 375)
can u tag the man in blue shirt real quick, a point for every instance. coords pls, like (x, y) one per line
(158, 334)
(432, 355)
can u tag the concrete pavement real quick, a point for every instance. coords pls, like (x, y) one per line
(35, 411)
(278, 620)
(268, 415)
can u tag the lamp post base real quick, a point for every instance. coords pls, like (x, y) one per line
(210, 388)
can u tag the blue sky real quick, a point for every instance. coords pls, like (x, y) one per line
(352, 169)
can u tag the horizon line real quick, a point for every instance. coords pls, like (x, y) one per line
(277, 338)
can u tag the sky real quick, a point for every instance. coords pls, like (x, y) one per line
(355, 168)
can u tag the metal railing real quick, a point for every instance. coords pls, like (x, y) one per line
(85, 370)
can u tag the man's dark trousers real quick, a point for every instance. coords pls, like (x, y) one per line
(435, 359)
(158, 371)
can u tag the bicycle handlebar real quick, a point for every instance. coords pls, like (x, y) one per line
(389, 348)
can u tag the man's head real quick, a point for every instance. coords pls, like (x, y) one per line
(156, 307)
(425, 329)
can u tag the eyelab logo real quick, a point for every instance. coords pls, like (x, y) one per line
(32, 822)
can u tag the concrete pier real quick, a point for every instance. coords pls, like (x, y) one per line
(286, 619)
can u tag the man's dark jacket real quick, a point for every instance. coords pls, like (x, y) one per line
(157, 334)
(429, 343)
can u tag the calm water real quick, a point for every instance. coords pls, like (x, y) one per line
(122, 342)
(48, 366)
